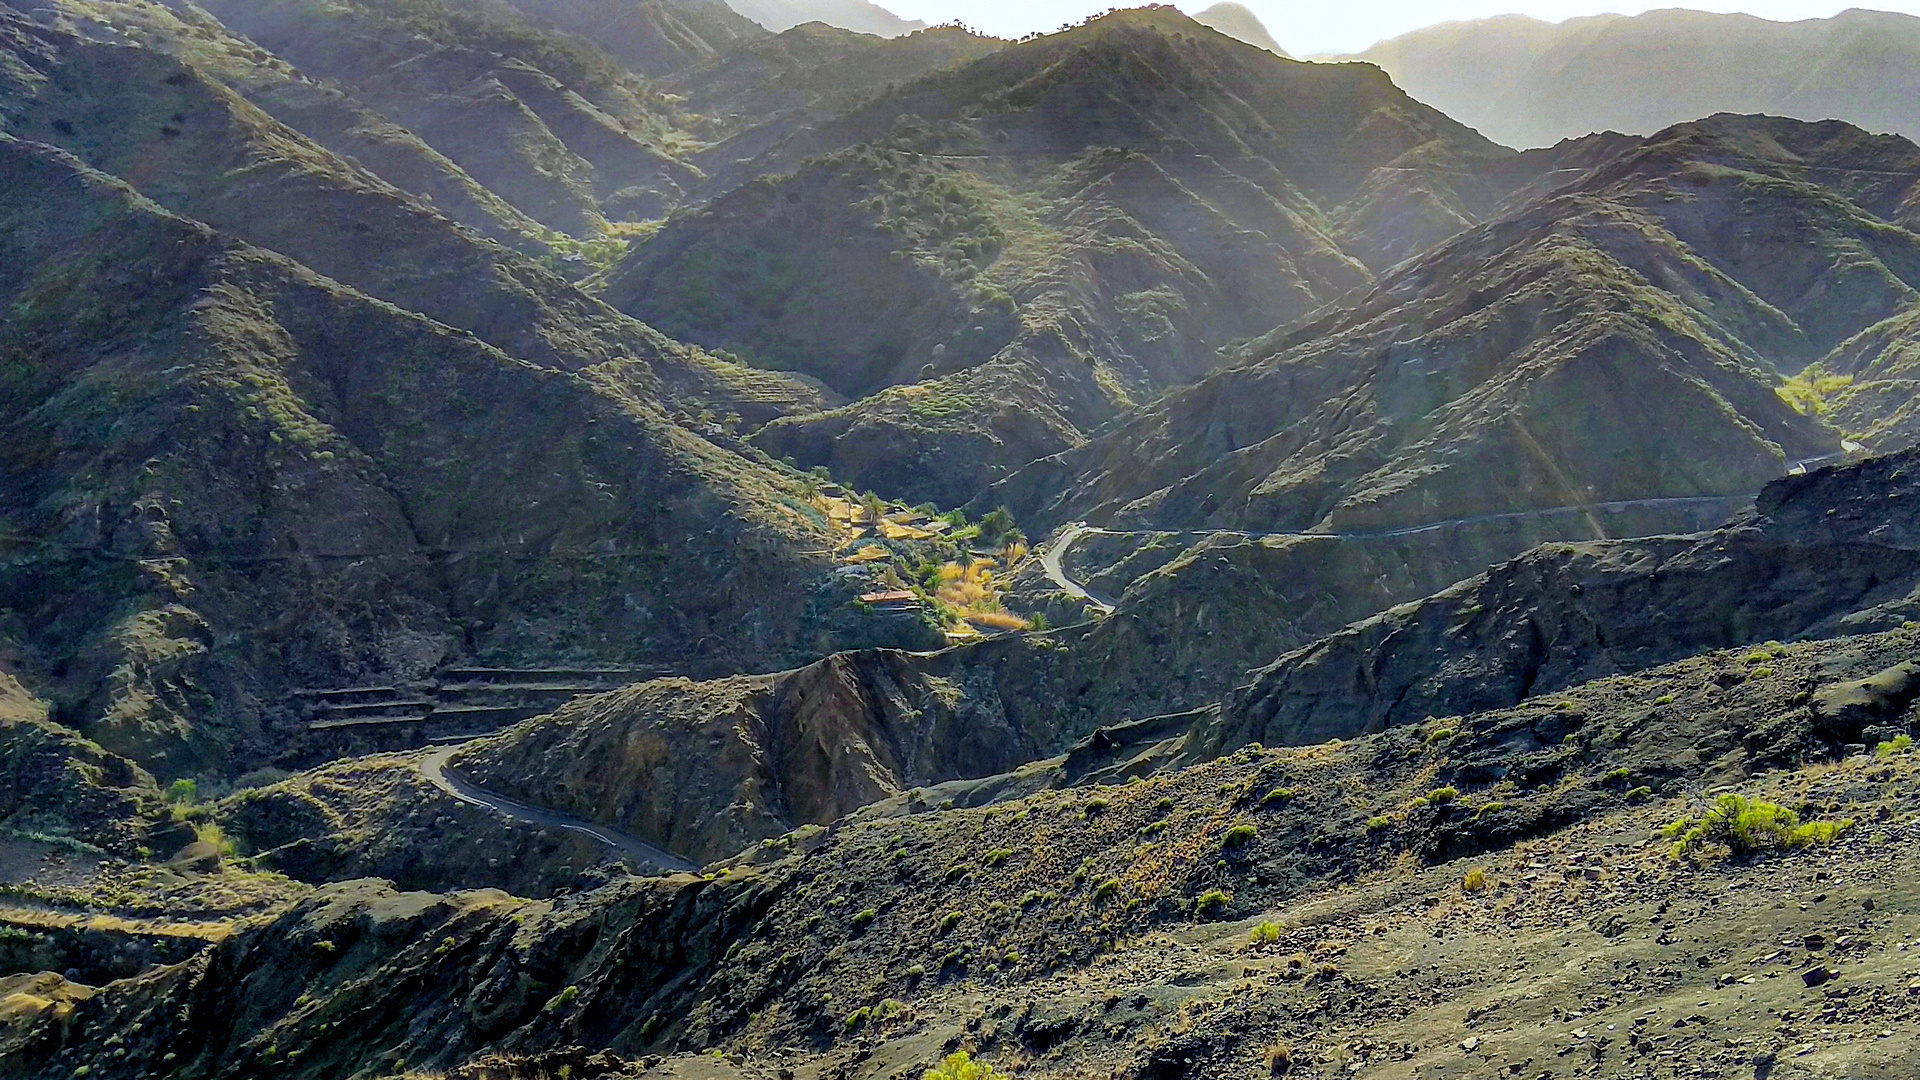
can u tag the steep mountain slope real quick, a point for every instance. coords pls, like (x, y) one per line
(860, 16)
(202, 151)
(230, 478)
(554, 125)
(343, 125)
(1530, 83)
(1867, 386)
(1829, 553)
(804, 747)
(756, 93)
(1018, 248)
(1618, 339)
(651, 37)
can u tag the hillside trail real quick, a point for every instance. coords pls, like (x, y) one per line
(433, 765)
(1051, 561)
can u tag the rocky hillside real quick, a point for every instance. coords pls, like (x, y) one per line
(998, 257)
(758, 93)
(706, 770)
(233, 477)
(1625, 336)
(553, 125)
(461, 616)
(202, 151)
(1825, 554)
(1530, 83)
(1215, 919)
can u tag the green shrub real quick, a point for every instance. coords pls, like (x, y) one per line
(947, 922)
(1442, 796)
(961, 1067)
(1239, 836)
(561, 1000)
(998, 856)
(1266, 933)
(1439, 734)
(865, 918)
(1278, 795)
(1899, 744)
(183, 792)
(1616, 776)
(1663, 699)
(1475, 881)
(1211, 901)
(1375, 824)
(1640, 794)
(1748, 826)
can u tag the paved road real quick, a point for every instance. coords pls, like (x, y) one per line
(1057, 550)
(1050, 562)
(433, 765)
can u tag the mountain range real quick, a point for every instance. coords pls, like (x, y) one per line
(1529, 83)
(573, 538)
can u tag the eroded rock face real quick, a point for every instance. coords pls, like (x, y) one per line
(706, 769)
(380, 817)
(1829, 553)
(53, 781)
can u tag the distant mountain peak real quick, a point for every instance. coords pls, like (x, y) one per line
(857, 15)
(1530, 83)
(1236, 21)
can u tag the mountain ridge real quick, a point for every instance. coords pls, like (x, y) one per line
(1531, 83)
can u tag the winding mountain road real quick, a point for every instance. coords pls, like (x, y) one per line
(433, 765)
(1050, 562)
(1056, 551)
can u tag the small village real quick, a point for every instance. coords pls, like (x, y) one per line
(917, 562)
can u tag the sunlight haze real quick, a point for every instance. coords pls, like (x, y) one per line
(1315, 29)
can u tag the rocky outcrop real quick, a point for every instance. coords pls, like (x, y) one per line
(707, 769)
(380, 817)
(55, 783)
(1830, 553)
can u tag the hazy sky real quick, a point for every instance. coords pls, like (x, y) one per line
(1306, 27)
